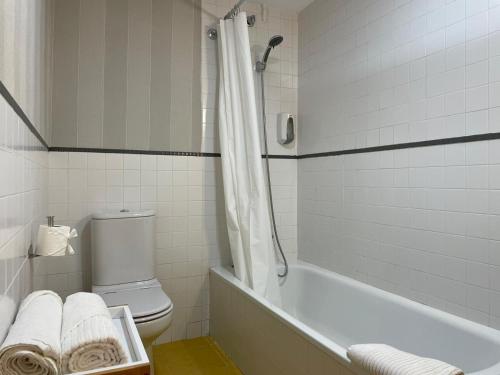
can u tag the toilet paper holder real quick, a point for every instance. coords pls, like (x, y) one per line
(51, 224)
(31, 250)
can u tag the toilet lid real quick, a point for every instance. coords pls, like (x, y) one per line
(141, 301)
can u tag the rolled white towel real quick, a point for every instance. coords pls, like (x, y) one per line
(89, 339)
(33, 343)
(380, 359)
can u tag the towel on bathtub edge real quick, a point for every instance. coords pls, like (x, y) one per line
(381, 359)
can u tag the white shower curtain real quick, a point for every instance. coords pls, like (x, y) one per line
(247, 210)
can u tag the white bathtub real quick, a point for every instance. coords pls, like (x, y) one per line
(331, 312)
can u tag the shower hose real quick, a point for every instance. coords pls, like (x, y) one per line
(271, 204)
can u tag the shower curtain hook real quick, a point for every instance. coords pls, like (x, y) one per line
(235, 12)
(212, 33)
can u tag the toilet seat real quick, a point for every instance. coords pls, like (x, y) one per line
(149, 318)
(146, 299)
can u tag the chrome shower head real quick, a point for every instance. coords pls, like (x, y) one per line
(273, 42)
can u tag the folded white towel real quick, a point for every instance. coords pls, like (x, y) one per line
(380, 359)
(33, 344)
(89, 339)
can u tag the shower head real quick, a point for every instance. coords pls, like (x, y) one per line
(273, 42)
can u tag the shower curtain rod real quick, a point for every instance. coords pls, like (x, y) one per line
(234, 11)
(212, 32)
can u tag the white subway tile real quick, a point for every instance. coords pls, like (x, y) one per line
(58, 160)
(114, 161)
(96, 161)
(148, 162)
(77, 160)
(131, 161)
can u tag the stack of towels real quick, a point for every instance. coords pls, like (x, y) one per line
(380, 359)
(50, 338)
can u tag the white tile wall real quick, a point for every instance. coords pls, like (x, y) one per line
(280, 76)
(422, 222)
(382, 72)
(23, 205)
(190, 225)
(284, 189)
(186, 193)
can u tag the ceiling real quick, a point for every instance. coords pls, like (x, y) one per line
(296, 5)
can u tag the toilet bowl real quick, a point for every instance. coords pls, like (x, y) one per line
(151, 308)
(123, 269)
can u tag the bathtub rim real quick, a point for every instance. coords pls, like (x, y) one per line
(226, 274)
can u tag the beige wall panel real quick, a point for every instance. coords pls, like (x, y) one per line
(117, 65)
(138, 74)
(115, 74)
(2, 36)
(64, 132)
(8, 53)
(21, 60)
(25, 40)
(91, 73)
(38, 70)
(160, 71)
(182, 73)
(196, 121)
(46, 68)
(19, 51)
(36, 61)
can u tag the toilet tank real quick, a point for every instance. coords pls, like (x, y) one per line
(122, 247)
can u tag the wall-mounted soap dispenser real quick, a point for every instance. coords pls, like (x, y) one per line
(286, 129)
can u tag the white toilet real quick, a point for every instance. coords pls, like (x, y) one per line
(123, 269)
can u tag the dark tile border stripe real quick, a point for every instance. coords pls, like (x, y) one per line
(400, 146)
(137, 152)
(281, 156)
(12, 102)
(152, 152)
(19, 111)
(435, 142)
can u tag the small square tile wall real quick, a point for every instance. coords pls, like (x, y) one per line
(187, 194)
(280, 76)
(420, 222)
(190, 222)
(423, 223)
(23, 206)
(381, 72)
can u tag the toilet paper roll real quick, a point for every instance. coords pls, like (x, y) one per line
(54, 241)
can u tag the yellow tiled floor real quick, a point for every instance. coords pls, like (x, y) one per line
(201, 356)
